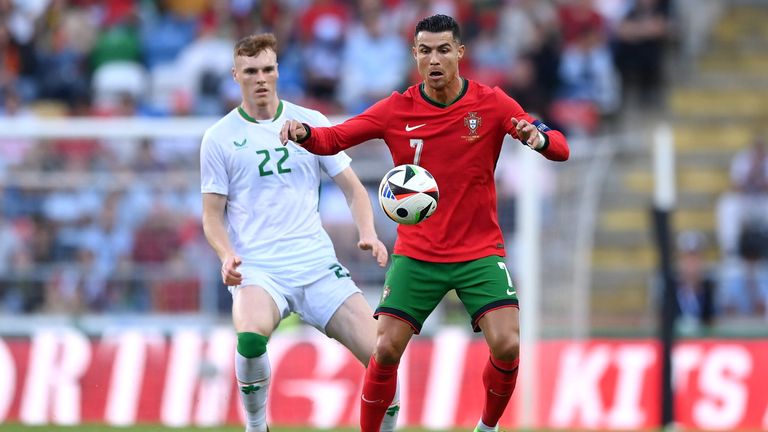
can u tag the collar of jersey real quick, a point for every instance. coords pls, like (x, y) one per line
(464, 86)
(253, 120)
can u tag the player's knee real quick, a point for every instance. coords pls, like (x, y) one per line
(387, 353)
(251, 345)
(506, 347)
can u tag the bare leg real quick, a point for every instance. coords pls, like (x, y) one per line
(354, 327)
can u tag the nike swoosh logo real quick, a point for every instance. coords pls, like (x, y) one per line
(409, 128)
(370, 401)
(511, 292)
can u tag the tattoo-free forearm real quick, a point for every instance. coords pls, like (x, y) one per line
(216, 233)
(362, 214)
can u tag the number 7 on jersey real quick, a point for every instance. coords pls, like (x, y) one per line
(418, 144)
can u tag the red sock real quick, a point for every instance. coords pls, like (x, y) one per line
(499, 378)
(378, 391)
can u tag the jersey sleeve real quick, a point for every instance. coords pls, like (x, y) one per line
(556, 147)
(332, 165)
(213, 170)
(366, 126)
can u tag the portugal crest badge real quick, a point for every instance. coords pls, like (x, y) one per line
(473, 122)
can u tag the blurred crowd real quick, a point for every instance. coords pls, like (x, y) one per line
(561, 59)
(113, 224)
(733, 285)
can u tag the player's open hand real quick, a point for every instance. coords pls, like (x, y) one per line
(292, 130)
(229, 274)
(527, 133)
(377, 248)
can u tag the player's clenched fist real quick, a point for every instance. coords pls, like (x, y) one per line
(527, 133)
(292, 130)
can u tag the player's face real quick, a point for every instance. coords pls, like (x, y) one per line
(437, 58)
(257, 77)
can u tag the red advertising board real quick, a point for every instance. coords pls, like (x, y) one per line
(126, 376)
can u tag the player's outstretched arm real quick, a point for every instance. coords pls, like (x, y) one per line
(329, 140)
(215, 231)
(362, 213)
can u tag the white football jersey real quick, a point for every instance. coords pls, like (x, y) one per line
(272, 190)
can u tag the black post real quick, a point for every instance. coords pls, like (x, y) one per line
(667, 312)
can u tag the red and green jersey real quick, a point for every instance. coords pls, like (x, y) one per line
(459, 144)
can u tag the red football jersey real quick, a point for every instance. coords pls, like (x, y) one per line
(460, 145)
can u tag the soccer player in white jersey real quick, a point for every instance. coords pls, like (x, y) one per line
(260, 202)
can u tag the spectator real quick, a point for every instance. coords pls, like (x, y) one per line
(524, 25)
(744, 287)
(108, 241)
(10, 244)
(641, 37)
(745, 206)
(578, 17)
(588, 78)
(156, 241)
(323, 27)
(21, 288)
(371, 50)
(14, 150)
(695, 284)
(742, 229)
(165, 34)
(491, 57)
(20, 20)
(63, 73)
(530, 28)
(118, 42)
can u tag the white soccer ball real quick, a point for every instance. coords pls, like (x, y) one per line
(408, 194)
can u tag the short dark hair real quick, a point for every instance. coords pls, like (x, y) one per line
(437, 24)
(253, 45)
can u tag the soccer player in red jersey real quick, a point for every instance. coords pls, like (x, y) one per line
(453, 127)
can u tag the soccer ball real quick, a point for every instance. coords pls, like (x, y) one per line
(408, 194)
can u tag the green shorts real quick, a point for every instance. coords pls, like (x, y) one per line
(413, 288)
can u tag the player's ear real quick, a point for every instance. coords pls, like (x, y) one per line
(413, 52)
(234, 74)
(460, 50)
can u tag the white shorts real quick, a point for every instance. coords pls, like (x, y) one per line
(314, 302)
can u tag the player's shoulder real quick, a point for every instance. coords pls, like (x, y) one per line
(412, 92)
(310, 116)
(223, 126)
(406, 96)
(484, 90)
(493, 96)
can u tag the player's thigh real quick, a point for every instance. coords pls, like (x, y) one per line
(354, 327)
(320, 300)
(254, 310)
(484, 285)
(412, 290)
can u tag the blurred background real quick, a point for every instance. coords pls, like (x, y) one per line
(100, 222)
(111, 225)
